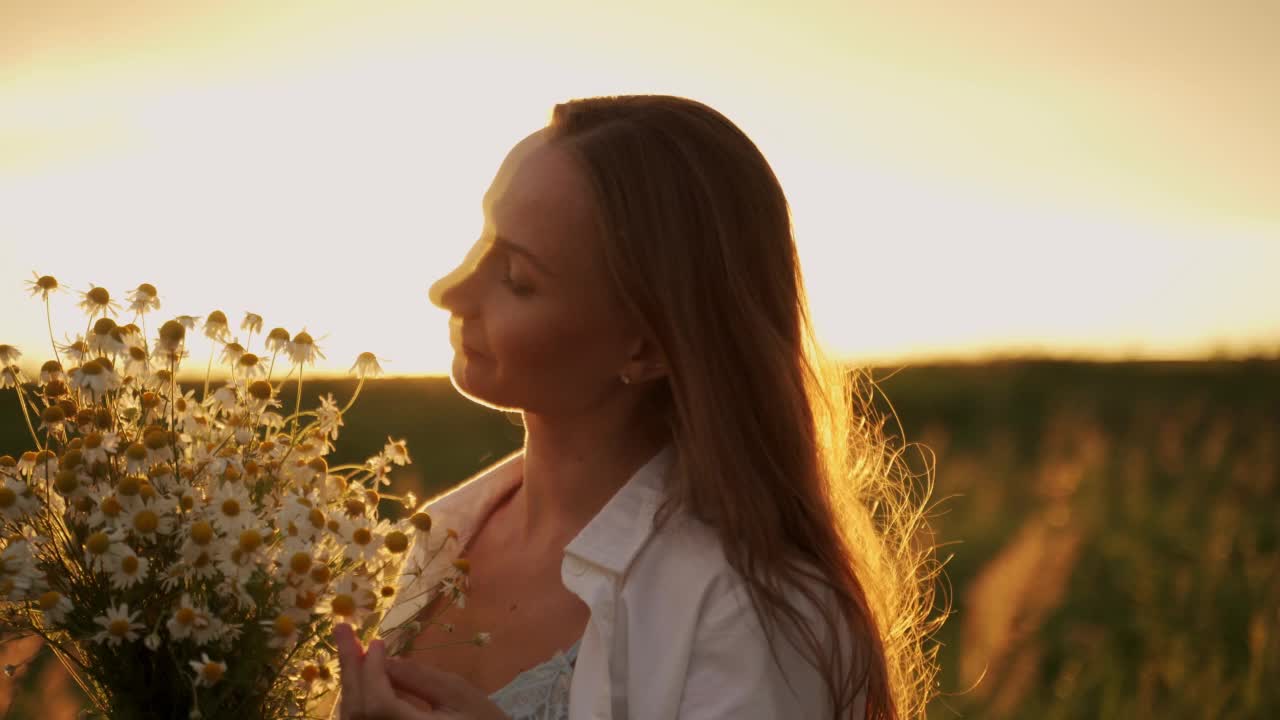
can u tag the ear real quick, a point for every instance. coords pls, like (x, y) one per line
(647, 361)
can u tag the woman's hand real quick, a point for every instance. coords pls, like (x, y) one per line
(376, 687)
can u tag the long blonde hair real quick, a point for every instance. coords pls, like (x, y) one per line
(778, 445)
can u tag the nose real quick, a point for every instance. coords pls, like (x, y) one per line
(444, 293)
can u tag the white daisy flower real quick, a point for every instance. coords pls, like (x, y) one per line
(208, 672)
(42, 285)
(137, 459)
(225, 397)
(149, 518)
(252, 322)
(170, 337)
(102, 547)
(282, 630)
(97, 301)
(328, 417)
(152, 641)
(75, 351)
(111, 512)
(127, 569)
(380, 468)
(397, 451)
(45, 467)
(9, 377)
(361, 539)
(118, 624)
(9, 355)
(351, 599)
(215, 326)
(366, 365)
(231, 353)
(51, 370)
(55, 606)
(300, 516)
(27, 462)
(231, 509)
(17, 499)
(96, 376)
(144, 298)
(302, 349)
(97, 446)
(277, 340)
(299, 603)
(105, 336)
(135, 362)
(187, 619)
(249, 366)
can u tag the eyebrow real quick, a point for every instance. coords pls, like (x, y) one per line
(509, 246)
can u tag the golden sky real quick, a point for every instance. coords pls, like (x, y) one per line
(1070, 177)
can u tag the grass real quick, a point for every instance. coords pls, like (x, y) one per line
(1112, 529)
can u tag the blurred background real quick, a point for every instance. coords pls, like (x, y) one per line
(1052, 229)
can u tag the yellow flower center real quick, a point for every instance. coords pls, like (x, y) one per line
(201, 532)
(7, 497)
(250, 540)
(211, 672)
(129, 564)
(185, 616)
(118, 628)
(421, 521)
(66, 481)
(128, 486)
(343, 605)
(396, 541)
(316, 518)
(362, 536)
(230, 507)
(111, 507)
(300, 562)
(284, 626)
(50, 599)
(98, 543)
(320, 573)
(146, 521)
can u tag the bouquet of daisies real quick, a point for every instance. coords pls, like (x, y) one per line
(184, 556)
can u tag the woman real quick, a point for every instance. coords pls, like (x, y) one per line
(687, 532)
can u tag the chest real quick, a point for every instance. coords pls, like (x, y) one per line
(519, 599)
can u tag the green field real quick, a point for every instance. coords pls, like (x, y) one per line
(1113, 530)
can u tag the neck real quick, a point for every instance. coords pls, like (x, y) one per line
(571, 470)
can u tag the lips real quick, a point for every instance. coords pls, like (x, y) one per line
(455, 339)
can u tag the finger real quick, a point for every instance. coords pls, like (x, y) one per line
(349, 661)
(435, 686)
(380, 700)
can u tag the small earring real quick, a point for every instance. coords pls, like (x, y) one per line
(626, 379)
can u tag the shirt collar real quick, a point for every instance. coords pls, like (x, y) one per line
(611, 539)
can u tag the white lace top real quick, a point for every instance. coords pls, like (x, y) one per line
(542, 691)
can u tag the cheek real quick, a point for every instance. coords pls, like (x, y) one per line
(551, 352)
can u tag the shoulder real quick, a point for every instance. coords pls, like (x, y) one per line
(691, 608)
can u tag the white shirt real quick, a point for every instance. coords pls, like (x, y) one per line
(672, 633)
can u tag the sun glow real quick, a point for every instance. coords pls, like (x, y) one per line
(321, 167)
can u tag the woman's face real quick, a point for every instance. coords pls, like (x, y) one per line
(533, 323)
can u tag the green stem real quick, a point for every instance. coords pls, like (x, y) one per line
(48, 319)
(297, 405)
(208, 368)
(354, 395)
(22, 401)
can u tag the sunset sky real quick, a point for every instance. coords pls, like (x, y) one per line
(1070, 178)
